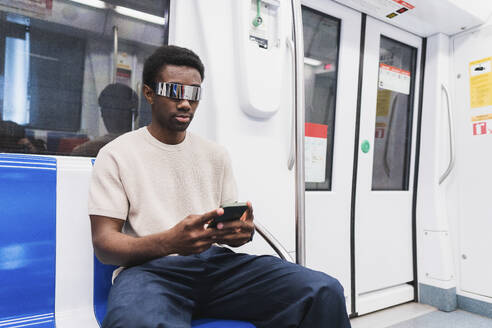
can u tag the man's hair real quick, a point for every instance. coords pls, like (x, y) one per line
(170, 55)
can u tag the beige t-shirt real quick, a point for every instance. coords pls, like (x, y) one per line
(153, 185)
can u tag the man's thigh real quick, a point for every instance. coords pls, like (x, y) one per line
(159, 293)
(267, 290)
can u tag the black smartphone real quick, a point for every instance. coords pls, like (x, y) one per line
(232, 212)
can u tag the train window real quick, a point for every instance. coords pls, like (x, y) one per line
(393, 130)
(63, 88)
(321, 48)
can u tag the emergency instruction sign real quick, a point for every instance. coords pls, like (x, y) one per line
(315, 145)
(394, 79)
(481, 83)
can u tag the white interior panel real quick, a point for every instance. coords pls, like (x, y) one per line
(259, 148)
(74, 254)
(473, 167)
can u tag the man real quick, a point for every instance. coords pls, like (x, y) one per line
(118, 103)
(13, 139)
(154, 191)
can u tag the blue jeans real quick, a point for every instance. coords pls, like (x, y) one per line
(218, 283)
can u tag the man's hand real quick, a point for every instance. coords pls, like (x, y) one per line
(190, 236)
(236, 233)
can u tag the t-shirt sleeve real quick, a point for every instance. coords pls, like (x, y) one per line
(229, 188)
(107, 196)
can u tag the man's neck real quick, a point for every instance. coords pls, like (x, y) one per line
(165, 136)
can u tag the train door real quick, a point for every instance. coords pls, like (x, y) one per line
(384, 270)
(331, 69)
(375, 255)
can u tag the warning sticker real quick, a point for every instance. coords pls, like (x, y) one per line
(481, 83)
(482, 128)
(394, 79)
(124, 69)
(482, 124)
(390, 9)
(315, 143)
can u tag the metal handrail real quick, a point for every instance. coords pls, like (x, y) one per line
(273, 242)
(115, 52)
(292, 148)
(299, 91)
(451, 138)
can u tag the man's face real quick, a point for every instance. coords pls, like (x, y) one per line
(174, 115)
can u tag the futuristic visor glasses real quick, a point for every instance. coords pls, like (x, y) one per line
(178, 91)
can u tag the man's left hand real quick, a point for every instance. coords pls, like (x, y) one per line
(239, 232)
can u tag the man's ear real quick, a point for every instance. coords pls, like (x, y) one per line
(149, 94)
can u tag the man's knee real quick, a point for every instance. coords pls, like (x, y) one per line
(323, 286)
(331, 287)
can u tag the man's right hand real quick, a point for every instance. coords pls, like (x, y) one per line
(190, 235)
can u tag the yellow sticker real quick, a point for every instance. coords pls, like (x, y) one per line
(383, 102)
(481, 83)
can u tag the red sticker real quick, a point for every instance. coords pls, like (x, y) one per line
(479, 128)
(316, 130)
(404, 4)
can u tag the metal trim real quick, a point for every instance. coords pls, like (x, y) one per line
(115, 52)
(292, 150)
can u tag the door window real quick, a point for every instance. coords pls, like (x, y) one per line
(394, 112)
(321, 47)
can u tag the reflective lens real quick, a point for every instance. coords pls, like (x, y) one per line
(178, 91)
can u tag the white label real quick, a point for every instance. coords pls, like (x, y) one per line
(315, 159)
(386, 9)
(394, 79)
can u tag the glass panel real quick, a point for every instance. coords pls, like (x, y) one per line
(321, 44)
(58, 93)
(393, 136)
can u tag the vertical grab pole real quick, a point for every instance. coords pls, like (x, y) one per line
(115, 52)
(299, 108)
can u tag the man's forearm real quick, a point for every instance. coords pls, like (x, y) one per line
(119, 249)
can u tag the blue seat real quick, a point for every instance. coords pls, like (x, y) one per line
(27, 240)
